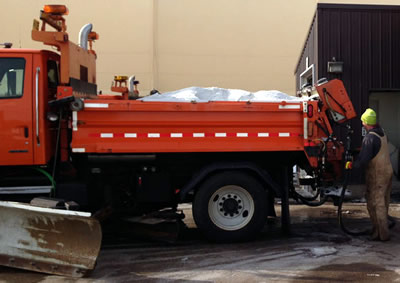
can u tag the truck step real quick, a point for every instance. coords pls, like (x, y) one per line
(25, 190)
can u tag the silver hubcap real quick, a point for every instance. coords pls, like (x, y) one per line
(231, 207)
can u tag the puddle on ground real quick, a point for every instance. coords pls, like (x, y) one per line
(354, 272)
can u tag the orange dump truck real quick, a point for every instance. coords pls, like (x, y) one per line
(231, 159)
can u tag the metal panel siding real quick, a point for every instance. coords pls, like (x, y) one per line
(367, 41)
(395, 49)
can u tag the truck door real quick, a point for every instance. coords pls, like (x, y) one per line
(16, 109)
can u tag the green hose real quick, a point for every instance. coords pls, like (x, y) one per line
(53, 183)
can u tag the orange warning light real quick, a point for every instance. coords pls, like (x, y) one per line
(56, 9)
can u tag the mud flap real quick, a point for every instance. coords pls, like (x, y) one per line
(48, 240)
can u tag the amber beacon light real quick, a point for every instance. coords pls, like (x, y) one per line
(56, 9)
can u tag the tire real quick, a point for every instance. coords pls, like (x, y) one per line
(230, 207)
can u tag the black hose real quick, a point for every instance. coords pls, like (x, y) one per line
(309, 201)
(311, 198)
(340, 218)
(53, 174)
(314, 197)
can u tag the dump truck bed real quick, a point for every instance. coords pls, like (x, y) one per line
(132, 126)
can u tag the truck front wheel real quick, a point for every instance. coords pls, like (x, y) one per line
(230, 207)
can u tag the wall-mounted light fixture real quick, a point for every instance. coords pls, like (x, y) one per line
(335, 67)
(6, 44)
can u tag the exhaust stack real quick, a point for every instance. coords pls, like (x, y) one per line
(83, 36)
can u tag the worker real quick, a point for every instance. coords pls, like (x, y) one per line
(374, 155)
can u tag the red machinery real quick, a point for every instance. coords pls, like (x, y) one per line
(229, 158)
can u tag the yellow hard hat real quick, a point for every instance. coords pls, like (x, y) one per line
(369, 117)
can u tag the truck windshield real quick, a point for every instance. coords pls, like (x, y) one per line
(11, 77)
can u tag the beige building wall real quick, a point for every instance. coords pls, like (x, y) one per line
(172, 44)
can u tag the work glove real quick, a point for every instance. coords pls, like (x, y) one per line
(349, 165)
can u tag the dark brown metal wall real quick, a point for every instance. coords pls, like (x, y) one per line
(367, 39)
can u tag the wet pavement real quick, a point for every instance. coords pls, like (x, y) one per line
(316, 251)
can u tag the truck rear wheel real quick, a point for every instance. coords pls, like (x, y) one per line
(230, 207)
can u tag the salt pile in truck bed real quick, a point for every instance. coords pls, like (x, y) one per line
(199, 94)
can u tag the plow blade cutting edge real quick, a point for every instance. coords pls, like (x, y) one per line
(48, 240)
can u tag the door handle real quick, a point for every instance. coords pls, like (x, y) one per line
(26, 132)
(37, 104)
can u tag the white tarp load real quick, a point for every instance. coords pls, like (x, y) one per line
(199, 94)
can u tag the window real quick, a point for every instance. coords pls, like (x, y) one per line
(12, 72)
(52, 74)
(84, 73)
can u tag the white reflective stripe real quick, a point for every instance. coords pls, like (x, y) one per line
(220, 135)
(305, 128)
(263, 135)
(74, 120)
(290, 106)
(96, 105)
(78, 150)
(242, 135)
(202, 135)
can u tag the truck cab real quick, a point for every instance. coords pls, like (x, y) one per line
(28, 80)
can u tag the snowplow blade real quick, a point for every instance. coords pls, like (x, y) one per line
(48, 240)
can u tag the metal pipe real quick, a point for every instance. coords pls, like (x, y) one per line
(25, 190)
(121, 158)
(131, 84)
(83, 36)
